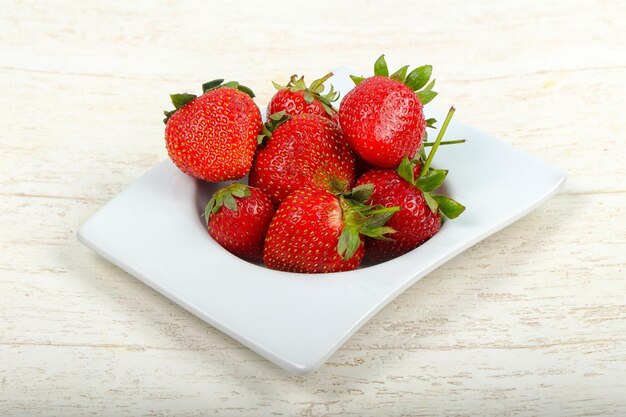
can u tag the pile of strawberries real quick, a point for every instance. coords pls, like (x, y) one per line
(327, 188)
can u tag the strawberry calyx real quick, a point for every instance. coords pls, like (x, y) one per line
(362, 219)
(430, 179)
(416, 80)
(219, 83)
(225, 197)
(313, 92)
(181, 99)
(273, 121)
(445, 142)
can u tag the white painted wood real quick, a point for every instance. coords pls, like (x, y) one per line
(530, 322)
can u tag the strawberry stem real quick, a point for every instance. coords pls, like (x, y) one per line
(437, 142)
(324, 78)
(446, 142)
(384, 210)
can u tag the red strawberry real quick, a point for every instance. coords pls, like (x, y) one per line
(305, 149)
(296, 98)
(382, 117)
(315, 231)
(213, 137)
(420, 212)
(238, 217)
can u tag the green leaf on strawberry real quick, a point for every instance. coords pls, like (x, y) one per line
(432, 203)
(362, 219)
(430, 179)
(430, 85)
(361, 193)
(229, 202)
(210, 85)
(426, 96)
(405, 170)
(356, 79)
(380, 67)
(179, 100)
(349, 241)
(449, 207)
(419, 77)
(239, 190)
(225, 197)
(273, 121)
(400, 75)
(416, 80)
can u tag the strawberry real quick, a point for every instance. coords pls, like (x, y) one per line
(382, 117)
(296, 98)
(316, 231)
(238, 217)
(213, 137)
(420, 212)
(306, 149)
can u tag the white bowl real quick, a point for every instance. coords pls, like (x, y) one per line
(153, 230)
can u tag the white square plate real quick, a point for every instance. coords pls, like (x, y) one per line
(153, 230)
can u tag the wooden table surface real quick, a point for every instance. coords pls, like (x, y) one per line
(532, 321)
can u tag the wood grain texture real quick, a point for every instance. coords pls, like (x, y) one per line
(531, 321)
